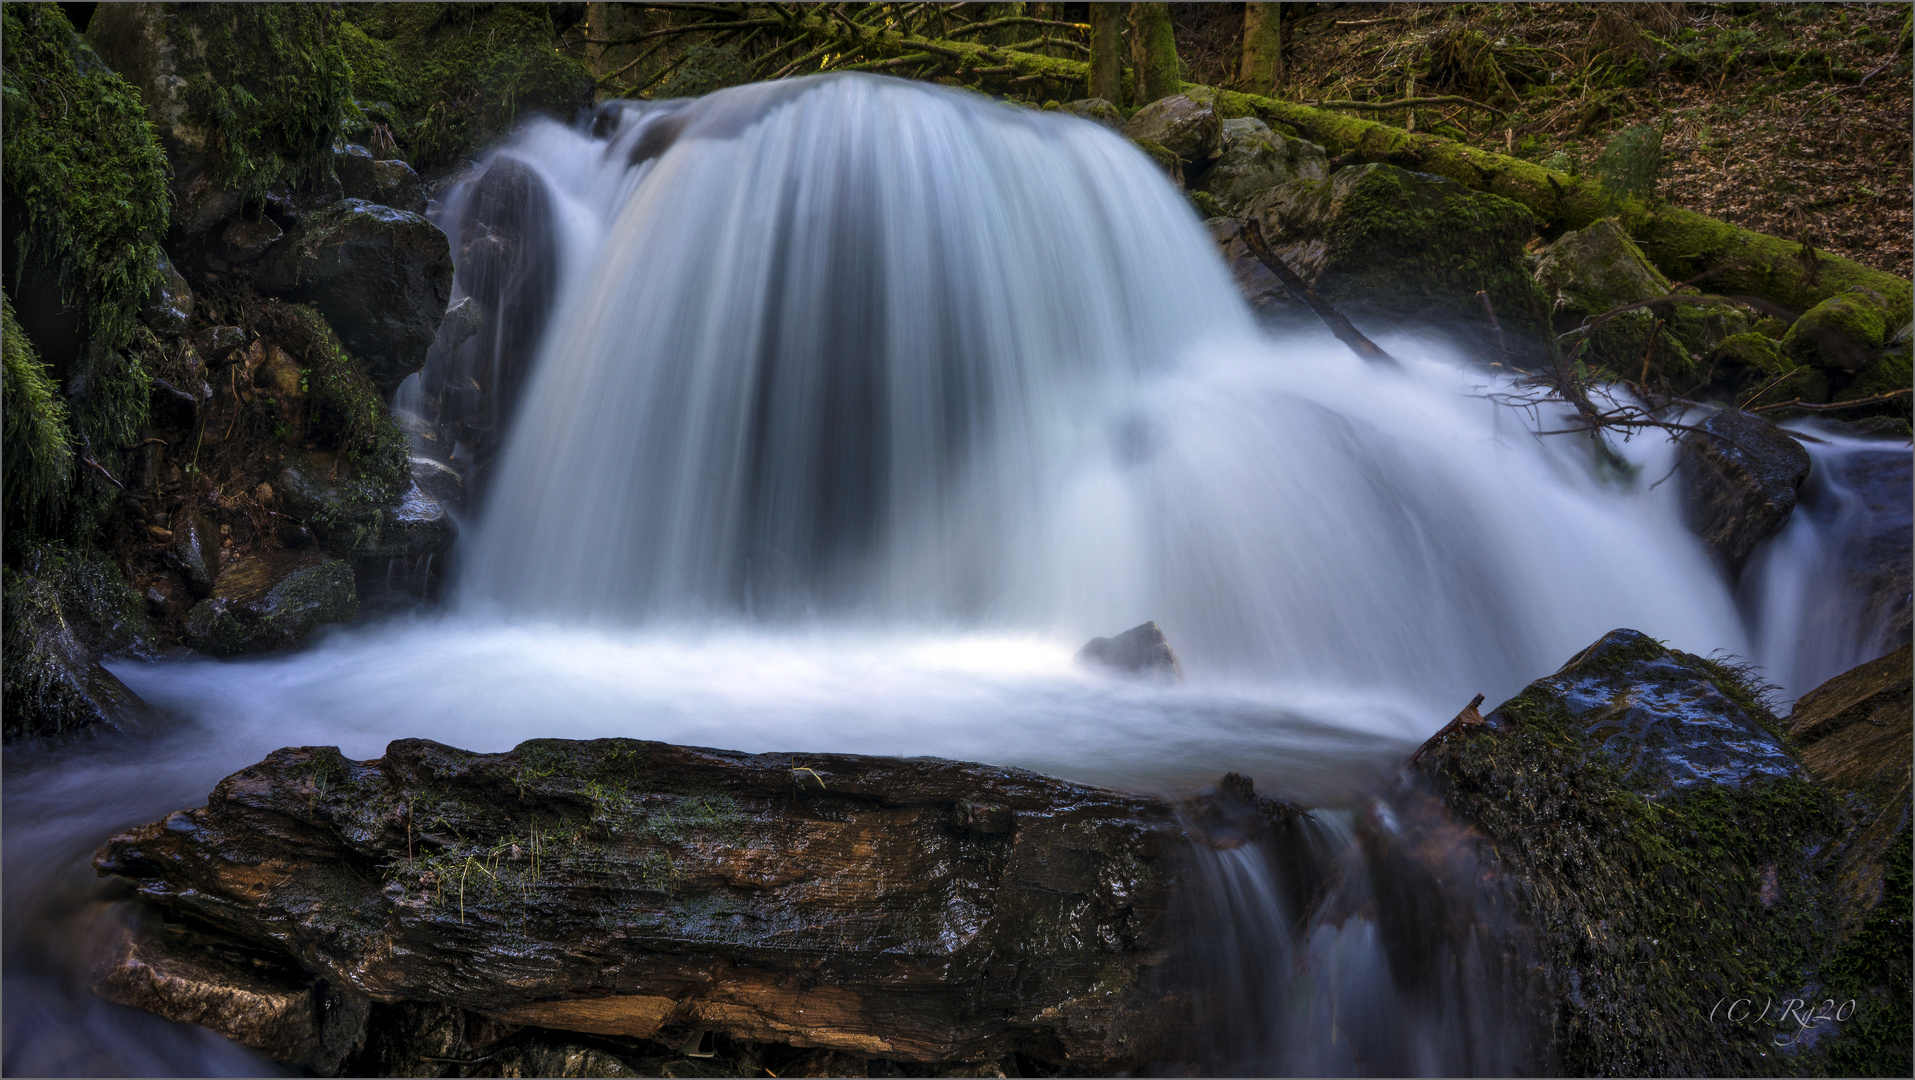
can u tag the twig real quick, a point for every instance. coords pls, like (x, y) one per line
(1811, 407)
(1489, 309)
(1340, 326)
(101, 469)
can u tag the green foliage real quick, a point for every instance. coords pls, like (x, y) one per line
(38, 445)
(348, 414)
(1632, 162)
(457, 76)
(706, 67)
(274, 90)
(82, 170)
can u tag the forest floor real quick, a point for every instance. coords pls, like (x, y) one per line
(1789, 119)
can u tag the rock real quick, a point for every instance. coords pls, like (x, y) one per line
(1754, 361)
(1184, 124)
(62, 611)
(247, 238)
(919, 910)
(462, 320)
(440, 481)
(1096, 110)
(1266, 294)
(1890, 370)
(269, 1007)
(217, 343)
(398, 186)
(1656, 836)
(381, 277)
(1598, 268)
(1256, 159)
(1140, 650)
(1393, 249)
(1740, 480)
(196, 549)
(352, 163)
(348, 513)
(169, 307)
(417, 527)
(272, 602)
(1841, 333)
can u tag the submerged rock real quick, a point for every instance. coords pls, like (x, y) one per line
(381, 277)
(271, 602)
(1141, 650)
(1740, 477)
(1663, 847)
(1392, 248)
(919, 910)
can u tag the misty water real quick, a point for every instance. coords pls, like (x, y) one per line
(859, 405)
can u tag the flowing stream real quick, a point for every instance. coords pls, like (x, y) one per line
(841, 411)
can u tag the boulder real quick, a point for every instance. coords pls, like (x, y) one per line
(63, 610)
(1740, 475)
(1598, 268)
(169, 306)
(1395, 249)
(260, 1003)
(419, 526)
(1255, 159)
(1753, 362)
(386, 182)
(1141, 650)
(352, 164)
(1187, 125)
(1265, 292)
(381, 277)
(439, 481)
(354, 516)
(247, 238)
(1096, 110)
(1888, 371)
(918, 910)
(217, 344)
(1841, 333)
(271, 602)
(1666, 855)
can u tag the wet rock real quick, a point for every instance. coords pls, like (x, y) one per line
(416, 528)
(270, 1007)
(62, 611)
(1392, 248)
(1740, 477)
(463, 319)
(1141, 650)
(1598, 268)
(1891, 369)
(216, 344)
(1755, 361)
(1187, 125)
(247, 238)
(1841, 333)
(272, 602)
(381, 277)
(1096, 110)
(439, 481)
(352, 163)
(1660, 845)
(1255, 159)
(347, 512)
(398, 186)
(918, 910)
(1266, 294)
(169, 307)
(196, 549)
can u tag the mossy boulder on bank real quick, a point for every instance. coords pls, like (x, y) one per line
(1393, 248)
(1184, 124)
(1254, 159)
(449, 78)
(63, 609)
(272, 602)
(1670, 856)
(245, 98)
(1843, 332)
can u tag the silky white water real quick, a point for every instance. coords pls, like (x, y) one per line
(860, 406)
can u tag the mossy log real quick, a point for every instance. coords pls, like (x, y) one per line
(917, 910)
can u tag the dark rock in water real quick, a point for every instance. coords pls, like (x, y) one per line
(270, 1007)
(1255, 159)
(169, 307)
(1141, 650)
(196, 548)
(1740, 476)
(1857, 734)
(1663, 849)
(381, 277)
(417, 527)
(919, 910)
(1184, 124)
(462, 320)
(354, 517)
(440, 481)
(270, 602)
(1393, 248)
(1096, 110)
(62, 611)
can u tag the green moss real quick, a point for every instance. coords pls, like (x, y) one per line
(1841, 332)
(347, 414)
(458, 76)
(1888, 372)
(38, 445)
(60, 607)
(1873, 967)
(83, 171)
(275, 87)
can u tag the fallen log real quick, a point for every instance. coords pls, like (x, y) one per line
(917, 910)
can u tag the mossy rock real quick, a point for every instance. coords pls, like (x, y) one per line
(1255, 159)
(1841, 333)
(1396, 249)
(458, 76)
(1165, 158)
(1890, 371)
(348, 418)
(63, 609)
(1184, 124)
(244, 97)
(1669, 854)
(1096, 110)
(1753, 363)
(272, 602)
